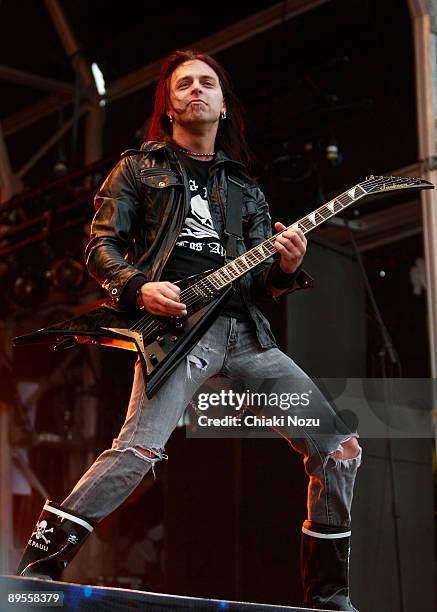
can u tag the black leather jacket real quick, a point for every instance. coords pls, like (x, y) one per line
(140, 210)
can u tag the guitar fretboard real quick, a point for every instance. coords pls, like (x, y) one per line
(230, 272)
(204, 290)
(249, 260)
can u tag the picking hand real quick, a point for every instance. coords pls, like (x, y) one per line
(162, 299)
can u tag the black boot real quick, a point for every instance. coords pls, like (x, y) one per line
(325, 567)
(56, 538)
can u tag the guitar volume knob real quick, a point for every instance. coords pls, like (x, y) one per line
(160, 340)
(153, 358)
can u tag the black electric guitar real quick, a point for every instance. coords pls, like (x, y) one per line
(163, 342)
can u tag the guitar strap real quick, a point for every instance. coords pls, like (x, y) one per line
(234, 223)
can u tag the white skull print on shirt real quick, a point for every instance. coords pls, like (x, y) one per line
(198, 247)
(198, 232)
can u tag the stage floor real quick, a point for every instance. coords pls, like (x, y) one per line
(27, 594)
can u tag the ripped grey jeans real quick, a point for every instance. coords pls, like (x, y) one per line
(230, 347)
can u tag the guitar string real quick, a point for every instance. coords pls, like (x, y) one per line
(254, 253)
(323, 211)
(370, 183)
(142, 324)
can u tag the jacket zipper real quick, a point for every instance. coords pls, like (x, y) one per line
(222, 205)
(187, 193)
(154, 171)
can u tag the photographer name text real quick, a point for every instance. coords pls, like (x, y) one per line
(251, 420)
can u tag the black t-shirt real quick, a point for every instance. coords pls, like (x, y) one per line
(199, 247)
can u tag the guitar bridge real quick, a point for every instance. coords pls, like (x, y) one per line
(206, 294)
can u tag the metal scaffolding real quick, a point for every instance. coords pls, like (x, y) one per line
(11, 182)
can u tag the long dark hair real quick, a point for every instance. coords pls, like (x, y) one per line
(231, 131)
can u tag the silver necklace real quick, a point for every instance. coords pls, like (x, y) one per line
(188, 152)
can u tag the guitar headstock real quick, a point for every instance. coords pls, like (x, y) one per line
(382, 184)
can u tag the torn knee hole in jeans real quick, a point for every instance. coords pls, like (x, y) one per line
(337, 457)
(150, 455)
(195, 362)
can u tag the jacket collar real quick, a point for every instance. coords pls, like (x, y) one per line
(153, 145)
(219, 159)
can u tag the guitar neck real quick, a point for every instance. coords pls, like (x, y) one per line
(244, 263)
(263, 251)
